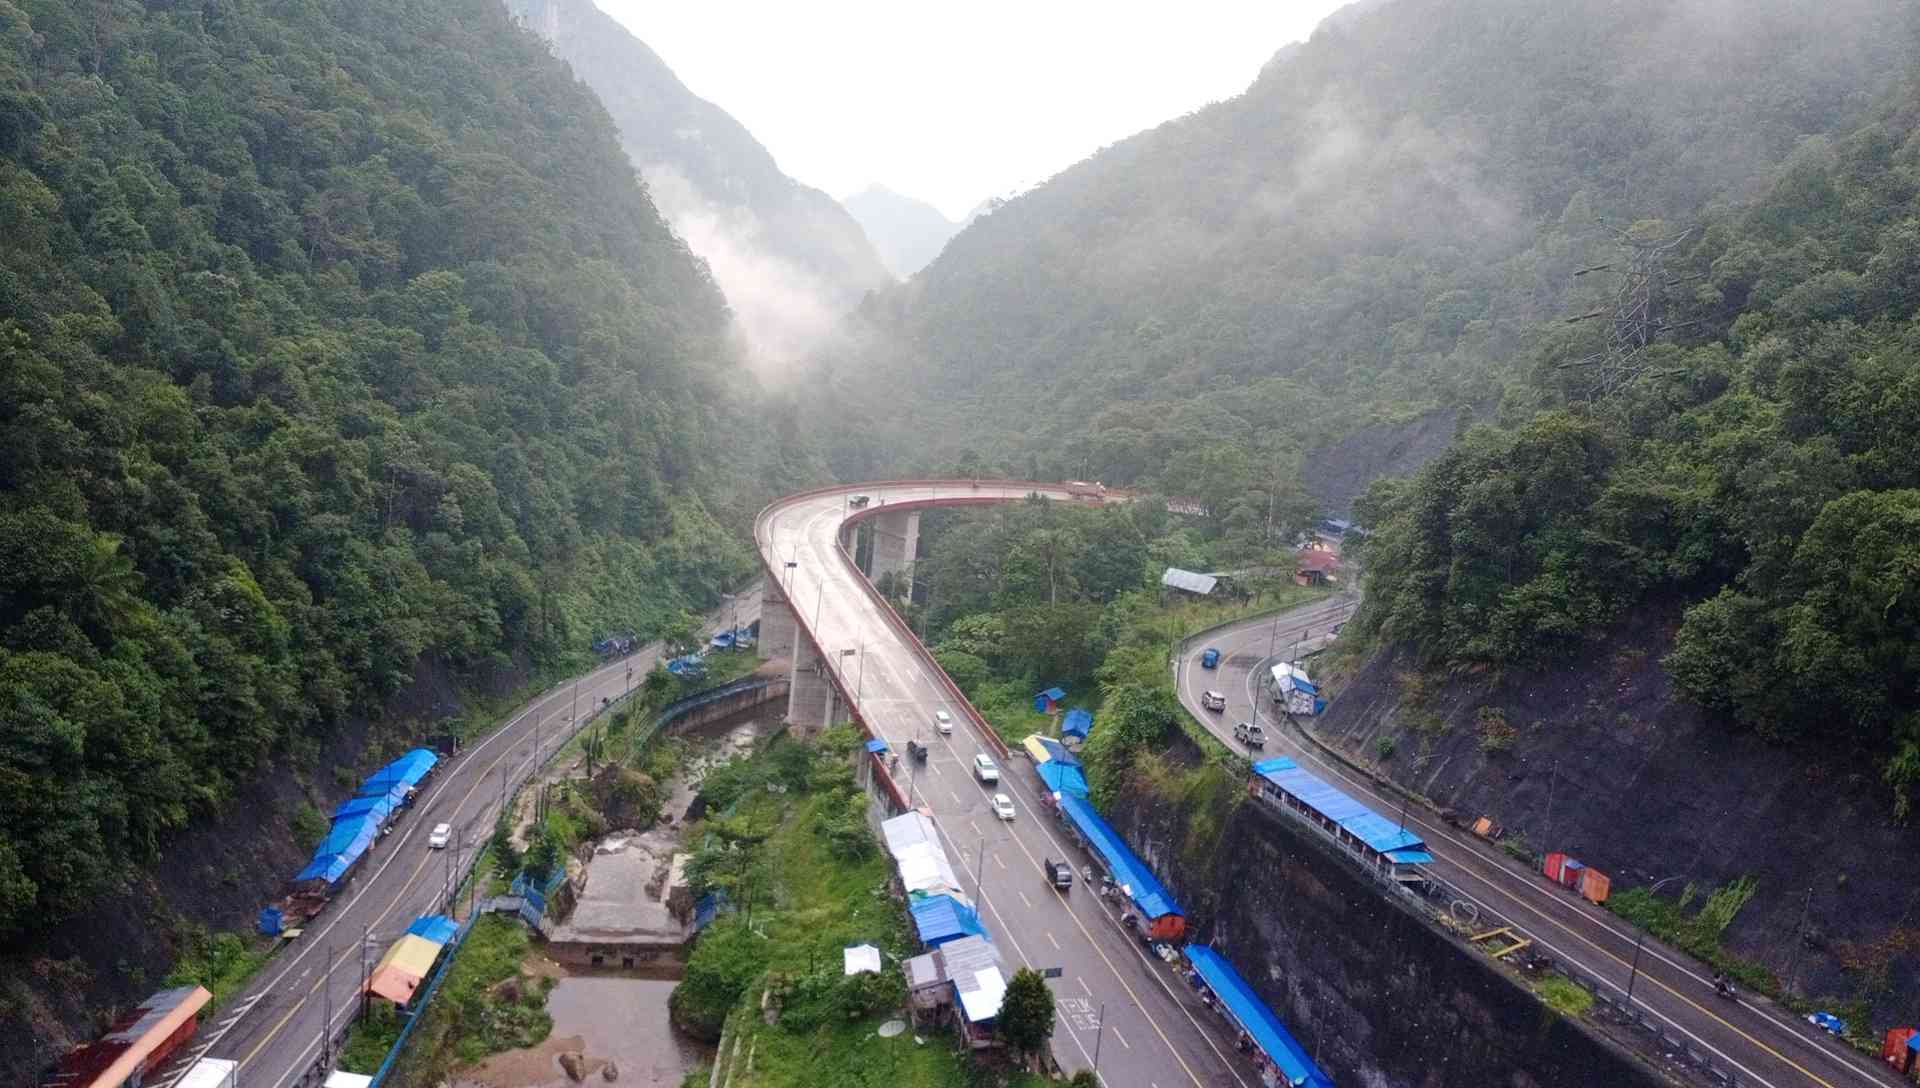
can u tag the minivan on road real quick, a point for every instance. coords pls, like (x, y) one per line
(1213, 700)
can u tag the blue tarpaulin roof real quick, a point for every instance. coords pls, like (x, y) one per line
(1079, 720)
(1057, 752)
(876, 745)
(1053, 694)
(1152, 897)
(340, 849)
(437, 928)
(1256, 1019)
(722, 640)
(377, 807)
(942, 918)
(1063, 778)
(1357, 819)
(408, 770)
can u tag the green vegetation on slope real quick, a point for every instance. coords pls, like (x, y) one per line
(1385, 221)
(1765, 470)
(336, 337)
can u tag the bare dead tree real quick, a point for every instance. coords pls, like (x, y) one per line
(1639, 314)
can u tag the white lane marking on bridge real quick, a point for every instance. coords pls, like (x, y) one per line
(1051, 941)
(1122, 1038)
(1024, 899)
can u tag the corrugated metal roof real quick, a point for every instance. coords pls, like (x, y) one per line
(1362, 822)
(435, 927)
(1257, 1019)
(126, 1047)
(1187, 580)
(1152, 897)
(906, 829)
(942, 918)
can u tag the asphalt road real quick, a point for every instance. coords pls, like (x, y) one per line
(1153, 1034)
(318, 975)
(1764, 1044)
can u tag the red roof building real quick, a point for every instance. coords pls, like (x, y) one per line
(1316, 567)
(136, 1044)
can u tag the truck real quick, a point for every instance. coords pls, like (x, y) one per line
(1085, 491)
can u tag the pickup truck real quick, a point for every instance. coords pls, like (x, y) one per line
(1058, 873)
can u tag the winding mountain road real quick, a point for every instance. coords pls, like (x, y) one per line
(1765, 1045)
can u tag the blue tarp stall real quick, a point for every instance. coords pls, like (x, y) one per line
(437, 928)
(1376, 831)
(340, 849)
(876, 745)
(1063, 778)
(689, 665)
(942, 918)
(1045, 701)
(1165, 920)
(402, 774)
(709, 908)
(722, 641)
(1078, 723)
(1256, 1019)
(1057, 752)
(377, 807)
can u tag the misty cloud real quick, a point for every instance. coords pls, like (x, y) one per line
(781, 311)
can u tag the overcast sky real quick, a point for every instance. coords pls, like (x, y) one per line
(957, 103)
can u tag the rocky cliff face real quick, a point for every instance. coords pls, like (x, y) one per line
(1381, 997)
(1601, 759)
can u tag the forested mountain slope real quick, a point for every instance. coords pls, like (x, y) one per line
(1380, 224)
(1764, 470)
(907, 232)
(790, 259)
(337, 337)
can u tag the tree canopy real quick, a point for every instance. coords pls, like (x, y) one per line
(334, 338)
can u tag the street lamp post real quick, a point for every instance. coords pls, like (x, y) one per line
(1640, 936)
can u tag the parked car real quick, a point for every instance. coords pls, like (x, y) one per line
(1003, 806)
(440, 836)
(1213, 700)
(1209, 658)
(858, 501)
(943, 722)
(985, 769)
(1250, 734)
(1058, 873)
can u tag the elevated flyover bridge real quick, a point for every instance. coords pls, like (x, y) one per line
(853, 658)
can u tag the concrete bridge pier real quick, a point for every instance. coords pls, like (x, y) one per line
(778, 631)
(896, 538)
(811, 700)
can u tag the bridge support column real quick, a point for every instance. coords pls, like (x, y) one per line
(778, 631)
(896, 537)
(811, 698)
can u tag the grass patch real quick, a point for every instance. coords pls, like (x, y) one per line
(1698, 931)
(373, 1035)
(1564, 996)
(222, 962)
(807, 879)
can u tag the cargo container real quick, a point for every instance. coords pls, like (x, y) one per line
(1570, 873)
(1553, 867)
(1595, 886)
(1897, 1049)
(209, 1073)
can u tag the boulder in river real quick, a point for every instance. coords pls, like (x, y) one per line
(575, 1063)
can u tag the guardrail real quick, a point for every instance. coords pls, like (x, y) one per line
(968, 497)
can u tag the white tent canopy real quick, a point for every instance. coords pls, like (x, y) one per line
(862, 957)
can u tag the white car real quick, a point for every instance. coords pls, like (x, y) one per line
(1003, 806)
(442, 834)
(985, 769)
(943, 721)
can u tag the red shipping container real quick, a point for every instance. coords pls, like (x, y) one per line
(1595, 886)
(1555, 862)
(1570, 873)
(1894, 1050)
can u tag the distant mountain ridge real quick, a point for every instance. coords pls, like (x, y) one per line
(908, 233)
(788, 257)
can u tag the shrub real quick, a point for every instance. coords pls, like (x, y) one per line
(1384, 747)
(1564, 996)
(309, 826)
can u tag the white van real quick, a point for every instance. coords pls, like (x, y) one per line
(1213, 700)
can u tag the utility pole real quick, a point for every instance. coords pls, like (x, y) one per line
(366, 935)
(1793, 954)
(980, 872)
(1551, 775)
(1405, 796)
(1639, 937)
